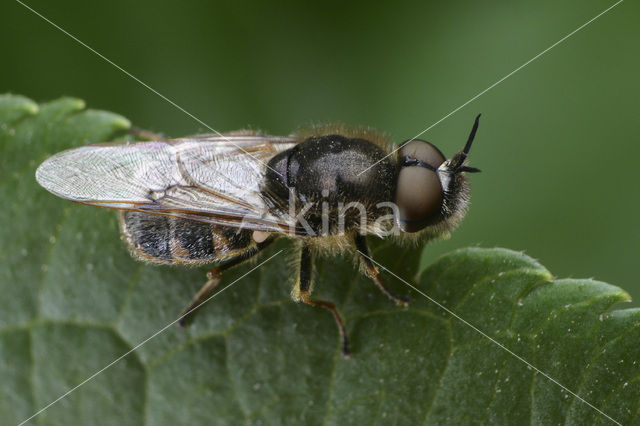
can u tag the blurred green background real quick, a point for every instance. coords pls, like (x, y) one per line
(557, 144)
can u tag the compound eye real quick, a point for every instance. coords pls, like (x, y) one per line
(423, 151)
(419, 192)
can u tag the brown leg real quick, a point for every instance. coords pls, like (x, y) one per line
(363, 248)
(213, 279)
(304, 288)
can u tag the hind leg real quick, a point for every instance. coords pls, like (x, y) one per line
(213, 279)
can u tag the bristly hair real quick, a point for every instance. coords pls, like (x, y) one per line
(383, 140)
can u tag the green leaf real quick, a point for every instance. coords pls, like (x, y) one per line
(73, 301)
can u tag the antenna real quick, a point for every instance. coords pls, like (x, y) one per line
(463, 154)
(472, 135)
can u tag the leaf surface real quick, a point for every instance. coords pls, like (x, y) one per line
(73, 300)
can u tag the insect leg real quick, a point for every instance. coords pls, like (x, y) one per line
(363, 248)
(213, 279)
(304, 290)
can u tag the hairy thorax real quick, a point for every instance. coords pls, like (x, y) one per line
(327, 182)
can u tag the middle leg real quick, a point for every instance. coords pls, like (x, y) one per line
(304, 291)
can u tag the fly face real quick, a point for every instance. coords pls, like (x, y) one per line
(226, 198)
(431, 190)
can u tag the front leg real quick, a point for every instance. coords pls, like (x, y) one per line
(363, 250)
(302, 292)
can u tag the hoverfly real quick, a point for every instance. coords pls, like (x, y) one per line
(225, 198)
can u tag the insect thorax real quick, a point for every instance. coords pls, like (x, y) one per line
(321, 180)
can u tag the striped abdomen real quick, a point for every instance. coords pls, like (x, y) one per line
(162, 239)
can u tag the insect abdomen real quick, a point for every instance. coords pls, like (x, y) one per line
(162, 239)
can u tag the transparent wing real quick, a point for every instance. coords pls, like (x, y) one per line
(206, 178)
